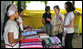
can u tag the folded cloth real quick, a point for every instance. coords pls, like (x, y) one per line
(31, 43)
(31, 37)
(43, 36)
(39, 30)
(32, 46)
(56, 40)
(30, 40)
(28, 33)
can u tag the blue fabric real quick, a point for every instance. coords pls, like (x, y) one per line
(28, 33)
(32, 37)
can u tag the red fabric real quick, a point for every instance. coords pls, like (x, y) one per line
(30, 40)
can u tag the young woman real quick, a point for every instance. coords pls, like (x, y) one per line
(47, 19)
(57, 21)
(20, 21)
(11, 30)
(68, 24)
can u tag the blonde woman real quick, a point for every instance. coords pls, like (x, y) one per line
(57, 21)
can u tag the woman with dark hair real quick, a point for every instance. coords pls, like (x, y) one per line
(19, 20)
(68, 24)
(47, 19)
(11, 30)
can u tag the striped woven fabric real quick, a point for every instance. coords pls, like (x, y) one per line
(32, 46)
(43, 35)
(31, 40)
(31, 43)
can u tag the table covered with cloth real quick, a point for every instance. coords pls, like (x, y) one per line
(31, 40)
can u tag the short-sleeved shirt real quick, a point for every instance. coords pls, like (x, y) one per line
(11, 27)
(68, 18)
(46, 15)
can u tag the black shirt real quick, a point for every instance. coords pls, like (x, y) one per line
(46, 15)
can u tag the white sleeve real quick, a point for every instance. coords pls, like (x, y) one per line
(19, 19)
(72, 15)
(11, 29)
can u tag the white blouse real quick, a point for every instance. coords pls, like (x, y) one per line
(11, 27)
(68, 18)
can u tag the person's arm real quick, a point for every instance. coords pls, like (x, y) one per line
(70, 25)
(12, 40)
(61, 19)
(43, 21)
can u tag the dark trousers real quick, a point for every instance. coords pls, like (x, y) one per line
(48, 28)
(68, 40)
(60, 37)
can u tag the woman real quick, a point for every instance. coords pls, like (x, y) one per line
(47, 19)
(68, 24)
(57, 21)
(11, 30)
(19, 20)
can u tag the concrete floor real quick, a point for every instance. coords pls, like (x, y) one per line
(77, 42)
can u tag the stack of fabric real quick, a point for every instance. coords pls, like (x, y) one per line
(39, 30)
(43, 35)
(31, 43)
(52, 42)
(29, 33)
(31, 40)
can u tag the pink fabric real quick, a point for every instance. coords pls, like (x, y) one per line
(32, 46)
(30, 40)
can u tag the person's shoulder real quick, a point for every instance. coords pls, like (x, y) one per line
(45, 13)
(71, 12)
(11, 23)
(61, 14)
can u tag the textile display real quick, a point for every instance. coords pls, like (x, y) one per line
(31, 43)
(52, 42)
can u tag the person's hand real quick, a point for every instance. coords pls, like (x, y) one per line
(43, 23)
(48, 19)
(21, 37)
(62, 26)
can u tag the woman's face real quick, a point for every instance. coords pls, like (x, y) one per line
(65, 6)
(16, 15)
(56, 11)
(21, 14)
